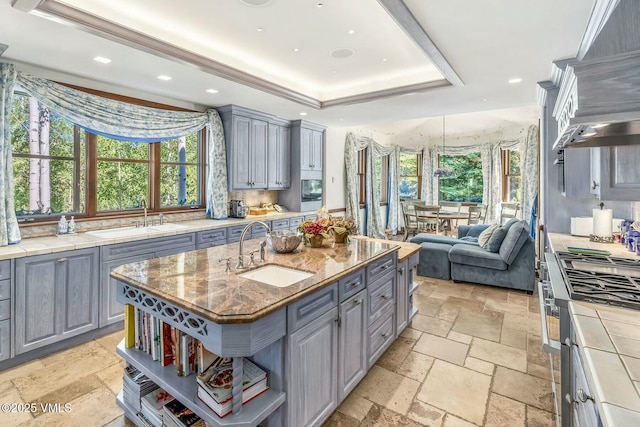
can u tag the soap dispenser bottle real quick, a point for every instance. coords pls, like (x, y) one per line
(63, 225)
(72, 225)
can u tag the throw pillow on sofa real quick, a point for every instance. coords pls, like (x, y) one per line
(495, 241)
(483, 238)
(476, 230)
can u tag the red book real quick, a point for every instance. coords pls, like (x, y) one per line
(167, 345)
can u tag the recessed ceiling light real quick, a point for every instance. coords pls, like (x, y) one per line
(259, 29)
(295, 49)
(342, 120)
(102, 59)
(600, 125)
(303, 114)
(255, 2)
(516, 80)
(342, 53)
(163, 77)
(212, 91)
(350, 31)
(384, 59)
(484, 99)
(320, 4)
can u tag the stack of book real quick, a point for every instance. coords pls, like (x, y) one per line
(134, 386)
(152, 404)
(215, 384)
(175, 414)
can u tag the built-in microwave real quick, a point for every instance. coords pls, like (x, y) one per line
(311, 190)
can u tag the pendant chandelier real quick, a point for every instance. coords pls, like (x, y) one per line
(443, 172)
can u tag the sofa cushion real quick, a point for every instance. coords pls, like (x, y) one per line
(493, 245)
(437, 238)
(472, 230)
(484, 237)
(509, 223)
(476, 256)
(469, 239)
(434, 260)
(513, 242)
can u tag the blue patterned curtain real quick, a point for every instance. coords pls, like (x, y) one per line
(121, 120)
(9, 230)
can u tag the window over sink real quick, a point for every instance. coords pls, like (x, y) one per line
(59, 168)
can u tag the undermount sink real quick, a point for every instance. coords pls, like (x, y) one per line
(114, 233)
(276, 275)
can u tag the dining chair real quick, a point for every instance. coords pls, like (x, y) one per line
(508, 211)
(410, 220)
(475, 212)
(451, 207)
(428, 218)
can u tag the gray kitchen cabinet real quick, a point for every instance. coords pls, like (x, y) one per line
(311, 149)
(111, 311)
(402, 297)
(279, 161)
(235, 232)
(209, 238)
(246, 135)
(575, 170)
(295, 222)
(56, 297)
(615, 174)
(352, 360)
(5, 309)
(313, 359)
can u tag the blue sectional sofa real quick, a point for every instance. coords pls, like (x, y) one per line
(463, 260)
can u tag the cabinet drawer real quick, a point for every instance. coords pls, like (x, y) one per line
(258, 230)
(149, 246)
(5, 342)
(351, 284)
(5, 269)
(280, 224)
(234, 233)
(295, 222)
(380, 267)
(311, 217)
(381, 335)
(5, 289)
(414, 260)
(312, 306)
(208, 236)
(380, 300)
(5, 309)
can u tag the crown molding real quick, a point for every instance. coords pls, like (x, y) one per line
(600, 13)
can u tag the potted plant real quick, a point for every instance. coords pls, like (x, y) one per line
(315, 231)
(342, 228)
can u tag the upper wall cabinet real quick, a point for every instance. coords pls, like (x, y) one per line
(614, 172)
(279, 162)
(246, 134)
(311, 149)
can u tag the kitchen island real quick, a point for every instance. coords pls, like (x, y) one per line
(316, 338)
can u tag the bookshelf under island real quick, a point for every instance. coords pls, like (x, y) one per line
(297, 333)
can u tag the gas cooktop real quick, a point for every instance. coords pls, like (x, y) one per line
(602, 279)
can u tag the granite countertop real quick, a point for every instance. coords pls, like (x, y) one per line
(197, 281)
(406, 248)
(560, 242)
(82, 240)
(609, 342)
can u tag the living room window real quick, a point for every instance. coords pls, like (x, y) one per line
(60, 168)
(466, 186)
(511, 176)
(410, 184)
(381, 163)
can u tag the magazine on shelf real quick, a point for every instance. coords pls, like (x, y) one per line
(166, 345)
(177, 414)
(205, 358)
(216, 380)
(224, 408)
(135, 385)
(152, 405)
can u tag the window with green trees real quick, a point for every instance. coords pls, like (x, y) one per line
(60, 168)
(410, 175)
(466, 186)
(511, 176)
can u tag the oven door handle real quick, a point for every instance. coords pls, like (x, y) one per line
(548, 345)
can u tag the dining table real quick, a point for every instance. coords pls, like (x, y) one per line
(445, 219)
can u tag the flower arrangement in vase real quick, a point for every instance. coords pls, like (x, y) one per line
(342, 228)
(315, 231)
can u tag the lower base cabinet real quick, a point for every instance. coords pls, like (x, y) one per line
(5, 342)
(312, 393)
(352, 355)
(56, 297)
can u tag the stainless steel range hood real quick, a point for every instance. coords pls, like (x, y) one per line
(599, 99)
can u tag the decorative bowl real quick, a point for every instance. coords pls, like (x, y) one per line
(284, 241)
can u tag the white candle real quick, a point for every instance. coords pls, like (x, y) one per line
(603, 222)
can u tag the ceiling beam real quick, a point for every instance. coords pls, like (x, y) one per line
(25, 5)
(405, 19)
(386, 93)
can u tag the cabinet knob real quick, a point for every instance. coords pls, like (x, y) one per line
(62, 259)
(357, 301)
(385, 335)
(594, 185)
(384, 297)
(355, 283)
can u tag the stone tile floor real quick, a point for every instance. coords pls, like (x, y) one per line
(471, 358)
